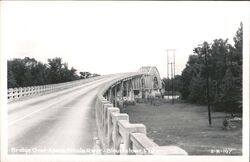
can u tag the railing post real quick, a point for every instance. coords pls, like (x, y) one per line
(15, 91)
(36, 89)
(100, 111)
(24, 91)
(115, 134)
(10, 94)
(20, 93)
(110, 125)
(32, 90)
(105, 117)
(29, 92)
(126, 128)
(142, 143)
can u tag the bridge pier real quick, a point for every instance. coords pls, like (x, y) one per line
(127, 90)
(130, 91)
(121, 90)
(110, 95)
(115, 96)
(132, 95)
(121, 95)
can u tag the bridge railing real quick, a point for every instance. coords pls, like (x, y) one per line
(119, 136)
(14, 94)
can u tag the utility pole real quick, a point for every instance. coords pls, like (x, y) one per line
(172, 82)
(207, 85)
(167, 75)
(172, 72)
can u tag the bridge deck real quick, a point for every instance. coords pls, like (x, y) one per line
(57, 121)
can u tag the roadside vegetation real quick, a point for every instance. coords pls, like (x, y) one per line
(30, 72)
(224, 71)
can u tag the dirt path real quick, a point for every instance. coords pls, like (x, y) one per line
(186, 126)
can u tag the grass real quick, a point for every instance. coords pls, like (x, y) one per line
(186, 125)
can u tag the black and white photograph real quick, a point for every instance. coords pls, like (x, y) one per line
(124, 80)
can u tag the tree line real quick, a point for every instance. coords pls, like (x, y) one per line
(30, 72)
(221, 62)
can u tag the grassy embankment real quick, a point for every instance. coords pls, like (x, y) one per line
(186, 125)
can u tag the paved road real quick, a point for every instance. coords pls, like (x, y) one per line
(61, 122)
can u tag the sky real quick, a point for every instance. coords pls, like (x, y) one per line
(113, 37)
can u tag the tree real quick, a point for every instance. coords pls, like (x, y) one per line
(177, 84)
(197, 89)
(73, 75)
(192, 70)
(16, 71)
(238, 40)
(11, 78)
(84, 75)
(222, 62)
(29, 72)
(55, 70)
(40, 74)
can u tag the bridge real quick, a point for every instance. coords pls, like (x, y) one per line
(84, 115)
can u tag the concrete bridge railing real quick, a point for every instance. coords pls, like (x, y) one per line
(14, 94)
(119, 136)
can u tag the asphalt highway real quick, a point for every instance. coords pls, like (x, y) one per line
(58, 123)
